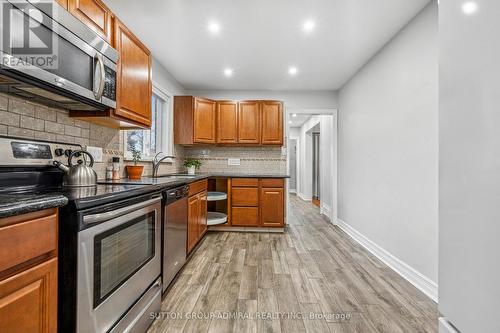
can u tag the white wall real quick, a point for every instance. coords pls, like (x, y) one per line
(165, 80)
(291, 99)
(469, 158)
(388, 147)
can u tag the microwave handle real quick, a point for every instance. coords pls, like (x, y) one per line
(95, 218)
(98, 91)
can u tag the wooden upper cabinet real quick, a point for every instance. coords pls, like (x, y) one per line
(249, 122)
(134, 83)
(204, 121)
(272, 123)
(227, 122)
(272, 207)
(93, 13)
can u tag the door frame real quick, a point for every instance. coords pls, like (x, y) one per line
(333, 215)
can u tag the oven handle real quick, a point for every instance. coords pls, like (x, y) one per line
(96, 218)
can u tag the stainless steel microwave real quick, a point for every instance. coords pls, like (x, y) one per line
(50, 57)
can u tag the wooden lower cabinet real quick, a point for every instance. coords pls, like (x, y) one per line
(197, 214)
(258, 202)
(28, 300)
(245, 216)
(272, 207)
(28, 272)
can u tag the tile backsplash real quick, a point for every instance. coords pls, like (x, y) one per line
(19, 118)
(252, 159)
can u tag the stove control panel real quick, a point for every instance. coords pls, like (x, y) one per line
(22, 152)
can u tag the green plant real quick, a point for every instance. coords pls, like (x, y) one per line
(190, 162)
(136, 155)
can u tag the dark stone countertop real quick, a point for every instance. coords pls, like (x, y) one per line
(17, 204)
(106, 191)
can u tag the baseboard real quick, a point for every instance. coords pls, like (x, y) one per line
(292, 191)
(326, 211)
(423, 283)
(304, 197)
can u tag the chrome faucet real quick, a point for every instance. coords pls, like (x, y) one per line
(157, 161)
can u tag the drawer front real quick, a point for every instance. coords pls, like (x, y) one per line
(273, 182)
(28, 239)
(197, 187)
(245, 182)
(245, 216)
(245, 196)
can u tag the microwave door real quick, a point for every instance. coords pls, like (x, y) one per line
(73, 64)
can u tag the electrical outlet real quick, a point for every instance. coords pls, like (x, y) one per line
(233, 161)
(96, 153)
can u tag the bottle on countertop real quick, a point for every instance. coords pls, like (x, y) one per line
(116, 168)
(109, 172)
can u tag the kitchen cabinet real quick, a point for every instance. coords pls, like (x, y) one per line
(133, 83)
(194, 120)
(203, 121)
(227, 122)
(249, 122)
(28, 272)
(94, 14)
(63, 3)
(257, 202)
(272, 123)
(272, 201)
(197, 213)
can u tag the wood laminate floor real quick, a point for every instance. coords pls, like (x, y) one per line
(312, 278)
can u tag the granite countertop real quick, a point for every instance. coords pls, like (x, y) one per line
(17, 204)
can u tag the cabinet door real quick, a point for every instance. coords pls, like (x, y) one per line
(28, 300)
(249, 122)
(227, 122)
(134, 87)
(272, 207)
(63, 3)
(203, 214)
(193, 221)
(93, 13)
(272, 123)
(204, 121)
(245, 216)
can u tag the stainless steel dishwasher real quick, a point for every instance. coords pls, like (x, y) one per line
(174, 233)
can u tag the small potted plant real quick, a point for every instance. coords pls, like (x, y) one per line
(192, 164)
(135, 171)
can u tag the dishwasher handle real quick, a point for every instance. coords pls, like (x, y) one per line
(101, 217)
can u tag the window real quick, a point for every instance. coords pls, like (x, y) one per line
(159, 137)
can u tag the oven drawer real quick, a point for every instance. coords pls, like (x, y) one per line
(27, 237)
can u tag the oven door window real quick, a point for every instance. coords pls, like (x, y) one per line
(120, 252)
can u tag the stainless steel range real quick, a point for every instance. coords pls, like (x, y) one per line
(109, 240)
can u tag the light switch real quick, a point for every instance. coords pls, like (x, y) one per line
(233, 161)
(96, 152)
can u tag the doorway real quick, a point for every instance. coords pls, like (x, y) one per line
(312, 158)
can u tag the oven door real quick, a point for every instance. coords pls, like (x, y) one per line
(75, 66)
(118, 260)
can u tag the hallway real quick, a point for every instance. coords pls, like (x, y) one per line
(313, 278)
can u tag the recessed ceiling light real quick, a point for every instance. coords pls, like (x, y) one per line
(308, 26)
(289, 121)
(469, 7)
(292, 71)
(228, 72)
(213, 27)
(294, 115)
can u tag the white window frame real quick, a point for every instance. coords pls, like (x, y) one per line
(164, 133)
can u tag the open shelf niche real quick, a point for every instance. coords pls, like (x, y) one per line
(217, 204)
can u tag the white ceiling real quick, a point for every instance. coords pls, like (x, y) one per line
(298, 120)
(261, 39)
